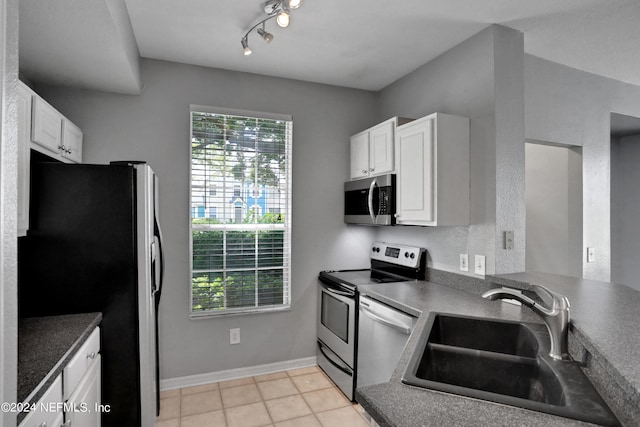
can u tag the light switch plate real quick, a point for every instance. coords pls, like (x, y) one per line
(591, 254)
(479, 265)
(464, 262)
(508, 240)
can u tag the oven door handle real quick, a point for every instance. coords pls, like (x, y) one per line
(370, 314)
(348, 294)
(330, 359)
(370, 200)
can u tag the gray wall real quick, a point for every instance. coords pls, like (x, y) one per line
(482, 79)
(625, 210)
(8, 206)
(155, 127)
(568, 106)
(554, 209)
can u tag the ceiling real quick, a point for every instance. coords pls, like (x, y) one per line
(364, 44)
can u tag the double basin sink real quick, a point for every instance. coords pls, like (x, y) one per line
(505, 362)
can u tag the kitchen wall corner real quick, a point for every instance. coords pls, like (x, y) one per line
(8, 206)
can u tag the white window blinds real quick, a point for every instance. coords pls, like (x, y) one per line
(240, 212)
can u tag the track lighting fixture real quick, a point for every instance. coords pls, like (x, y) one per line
(278, 9)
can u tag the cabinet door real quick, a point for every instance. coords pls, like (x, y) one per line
(86, 399)
(415, 148)
(48, 411)
(360, 155)
(47, 126)
(381, 148)
(80, 363)
(71, 141)
(24, 154)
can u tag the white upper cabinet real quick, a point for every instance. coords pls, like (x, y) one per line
(42, 128)
(53, 134)
(372, 150)
(381, 148)
(72, 137)
(25, 96)
(47, 126)
(432, 171)
(360, 155)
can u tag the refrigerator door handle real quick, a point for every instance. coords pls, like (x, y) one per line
(158, 237)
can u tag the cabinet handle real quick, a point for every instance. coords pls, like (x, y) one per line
(61, 147)
(364, 171)
(372, 169)
(91, 355)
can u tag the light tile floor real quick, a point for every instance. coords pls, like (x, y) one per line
(298, 398)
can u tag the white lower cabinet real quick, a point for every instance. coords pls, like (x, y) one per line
(74, 398)
(85, 399)
(432, 171)
(48, 411)
(81, 385)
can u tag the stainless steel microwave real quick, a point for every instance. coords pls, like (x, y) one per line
(370, 201)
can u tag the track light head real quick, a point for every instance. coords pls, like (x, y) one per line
(294, 4)
(283, 19)
(245, 46)
(266, 36)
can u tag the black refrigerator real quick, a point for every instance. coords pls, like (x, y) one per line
(94, 244)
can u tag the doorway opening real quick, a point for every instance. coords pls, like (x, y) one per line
(625, 199)
(553, 195)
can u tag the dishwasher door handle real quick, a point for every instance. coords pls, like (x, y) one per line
(373, 316)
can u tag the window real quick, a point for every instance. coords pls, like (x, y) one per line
(241, 252)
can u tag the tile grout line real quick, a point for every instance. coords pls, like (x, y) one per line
(263, 401)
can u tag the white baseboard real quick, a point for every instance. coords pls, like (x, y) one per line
(232, 374)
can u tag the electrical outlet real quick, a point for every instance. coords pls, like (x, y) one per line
(591, 254)
(464, 262)
(479, 265)
(234, 336)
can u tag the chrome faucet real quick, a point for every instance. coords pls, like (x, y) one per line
(556, 318)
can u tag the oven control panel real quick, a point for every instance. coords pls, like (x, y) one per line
(406, 256)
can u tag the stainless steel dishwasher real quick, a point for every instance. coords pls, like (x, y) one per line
(382, 335)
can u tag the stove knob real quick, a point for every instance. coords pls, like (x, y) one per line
(406, 254)
(412, 256)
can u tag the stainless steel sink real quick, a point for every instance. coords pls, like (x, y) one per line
(472, 333)
(504, 362)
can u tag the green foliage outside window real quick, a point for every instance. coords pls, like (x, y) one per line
(235, 265)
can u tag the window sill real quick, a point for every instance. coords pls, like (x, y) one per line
(211, 314)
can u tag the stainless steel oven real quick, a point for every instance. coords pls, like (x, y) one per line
(337, 333)
(338, 307)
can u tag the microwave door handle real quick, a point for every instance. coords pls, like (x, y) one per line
(370, 201)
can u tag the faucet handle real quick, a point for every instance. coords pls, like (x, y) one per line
(555, 301)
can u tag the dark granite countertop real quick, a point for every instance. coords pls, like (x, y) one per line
(396, 404)
(45, 345)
